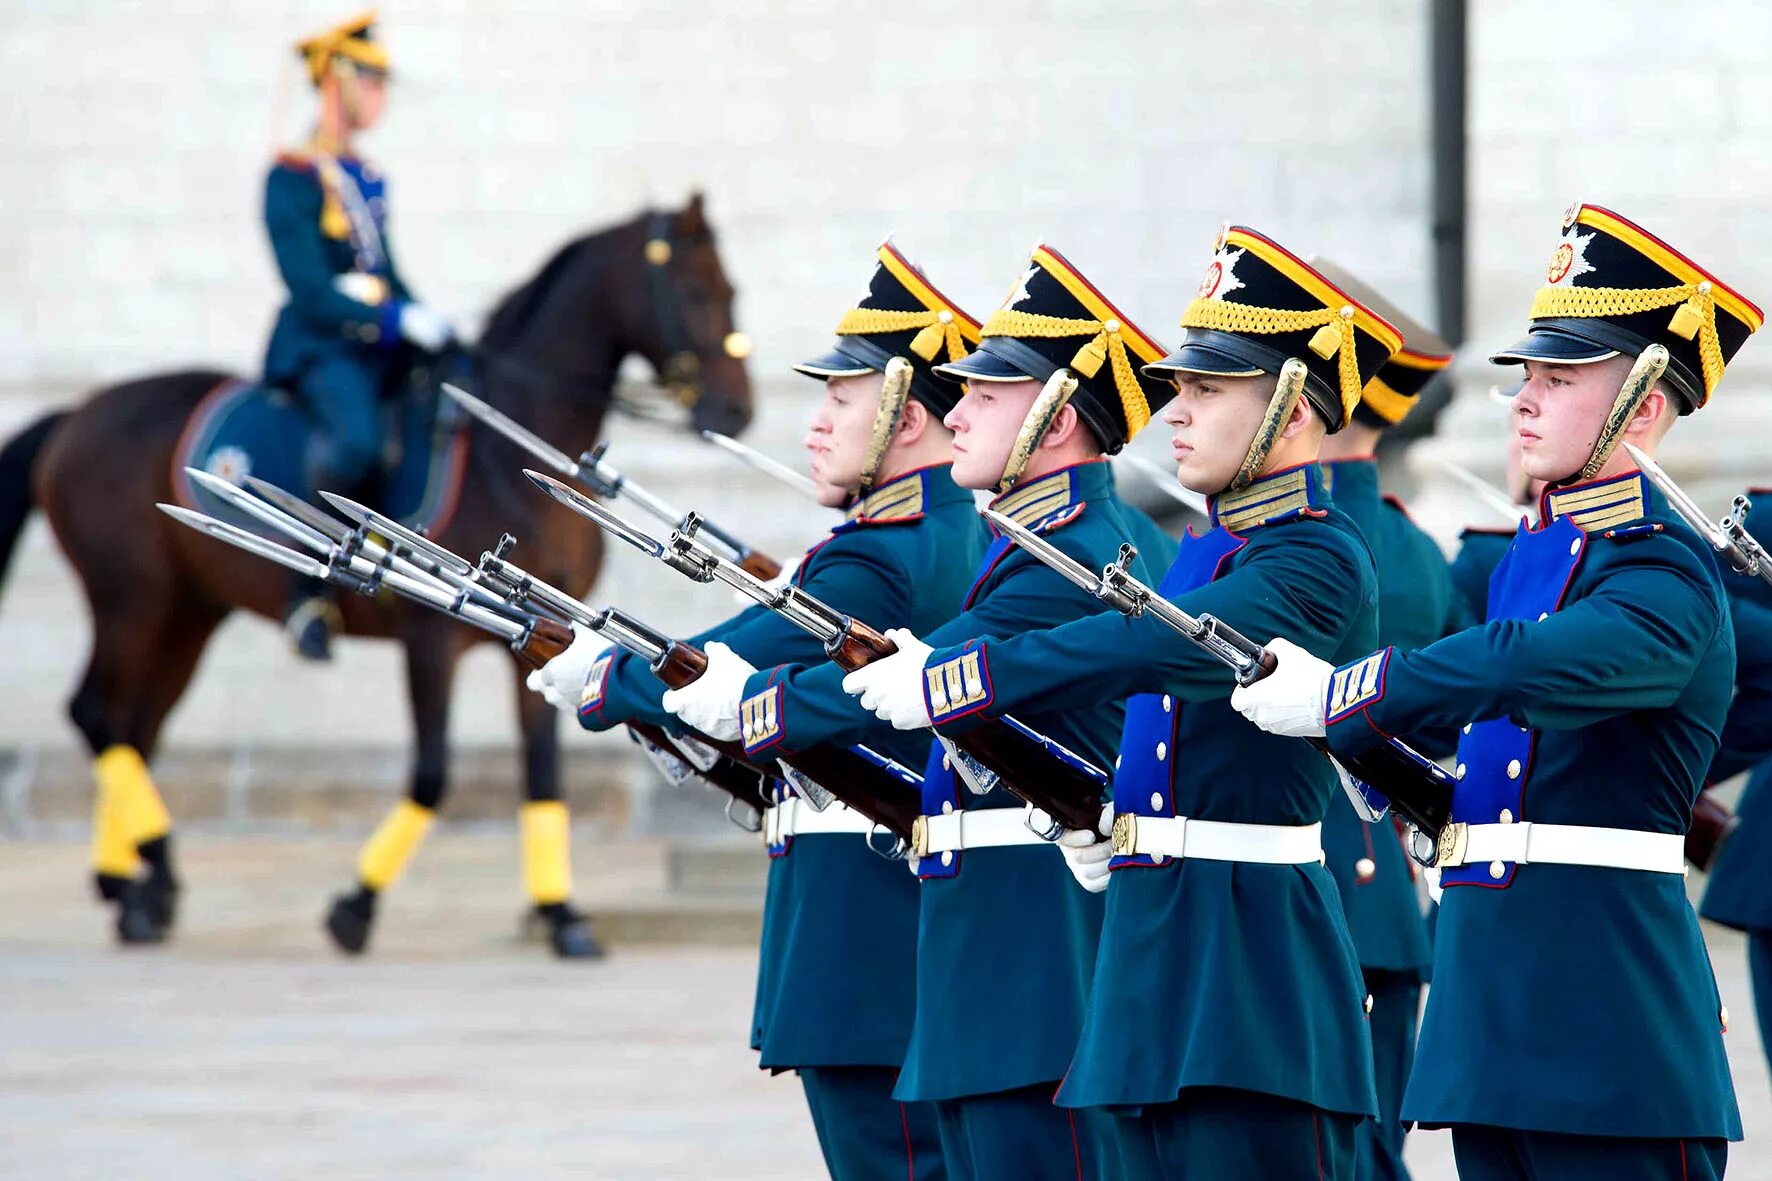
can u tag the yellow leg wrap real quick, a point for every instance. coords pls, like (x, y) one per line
(128, 801)
(384, 858)
(113, 854)
(547, 863)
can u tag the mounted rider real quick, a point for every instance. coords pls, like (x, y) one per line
(347, 332)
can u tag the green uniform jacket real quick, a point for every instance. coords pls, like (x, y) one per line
(1216, 973)
(1006, 940)
(1568, 998)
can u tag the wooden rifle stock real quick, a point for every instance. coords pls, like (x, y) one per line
(1062, 791)
(759, 565)
(1712, 823)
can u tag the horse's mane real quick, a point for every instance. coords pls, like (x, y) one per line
(514, 310)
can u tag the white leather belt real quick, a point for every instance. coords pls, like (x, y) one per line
(794, 817)
(1527, 843)
(987, 828)
(1216, 840)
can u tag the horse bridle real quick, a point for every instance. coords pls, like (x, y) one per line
(681, 377)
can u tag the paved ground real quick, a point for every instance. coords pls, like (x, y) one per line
(249, 1051)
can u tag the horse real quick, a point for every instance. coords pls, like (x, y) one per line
(652, 287)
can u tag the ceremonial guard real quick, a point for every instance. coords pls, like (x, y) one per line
(1739, 893)
(835, 983)
(1006, 944)
(343, 336)
(1574, 1027)
(1417, 605)
(1226, 1029)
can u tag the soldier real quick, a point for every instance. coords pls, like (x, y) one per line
(835, 975)
(1225, 1033)
(1739, 893)
(340, 338)
(1574, 1027)
(1005, 944)
(1417, 605)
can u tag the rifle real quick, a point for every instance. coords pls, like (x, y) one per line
(595, 473)
(1391, 774)
(418, 569)
(1033, 767)
(755, 459)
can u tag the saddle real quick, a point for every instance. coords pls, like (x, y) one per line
(243, 428)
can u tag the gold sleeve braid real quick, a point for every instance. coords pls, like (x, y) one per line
(934, 333)
(1334, 336)
(1695, 316)
(1105, 345)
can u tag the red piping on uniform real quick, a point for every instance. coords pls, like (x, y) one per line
(1077, 1149)
(1317, 1136)
(910, 1156)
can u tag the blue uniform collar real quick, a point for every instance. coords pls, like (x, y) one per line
(1054, 492)
(1599, 505)
(1280, 494)
(909, 495)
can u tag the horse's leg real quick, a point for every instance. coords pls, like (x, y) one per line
(130, 822)
(431, 655)
(546, 831)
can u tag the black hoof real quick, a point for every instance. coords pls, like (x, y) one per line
(572, 937)
(350, 919)
(137, 921)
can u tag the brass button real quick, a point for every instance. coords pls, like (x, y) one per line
(1507, 816)
(946, 807)
(947, 763)
(1575, 547)
(1365, 868)
(1460, 771)
(1116, 762)
(1156, 801)
(1168, 703)
(1368, 1002)
(1467, 727)
(1158, 858)
(1162, 751)
(1513, 768)
(947, 856)
(1723, 1017)
(1497, 869)
(1543, 615)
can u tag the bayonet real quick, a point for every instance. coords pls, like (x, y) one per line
(1166, 483)
(1491, 497)
(596, 473)
(1729, 536)
(1391, 774)
(767, 464)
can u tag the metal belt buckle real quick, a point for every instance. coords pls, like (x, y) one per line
(920, 837)
(1125, 834)
(1452, 844)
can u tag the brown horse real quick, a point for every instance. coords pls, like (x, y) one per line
(652, 287)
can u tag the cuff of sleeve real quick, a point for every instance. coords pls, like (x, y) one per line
(760, 715)
(1356, 689)
(590, 702)
(957, 683)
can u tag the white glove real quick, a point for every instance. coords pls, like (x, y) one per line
(892, 687)
(361, 286)
(1291, 699)
(561, 681)
(424, 328)
(1087, 853)
(710, 702)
